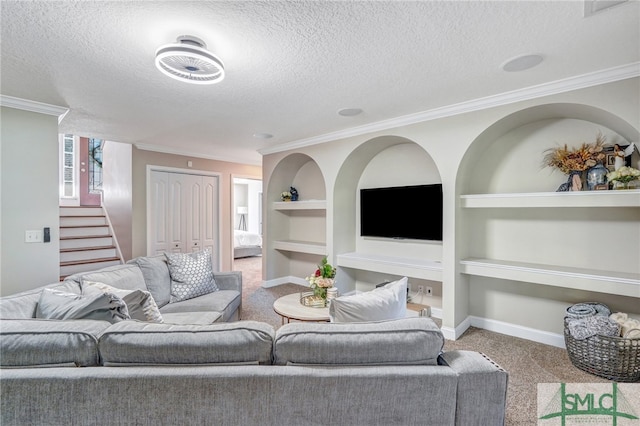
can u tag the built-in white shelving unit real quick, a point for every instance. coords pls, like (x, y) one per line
(624, 198)
(316, 209)
(603, 281)
(612, 282)
(412, 268)
(295, 246)
(300, 205)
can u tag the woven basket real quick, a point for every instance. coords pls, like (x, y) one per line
(614, 358)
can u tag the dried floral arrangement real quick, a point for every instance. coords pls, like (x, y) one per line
(577, 159)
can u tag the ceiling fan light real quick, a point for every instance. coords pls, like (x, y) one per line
(188, 60)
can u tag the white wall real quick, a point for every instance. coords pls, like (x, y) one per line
(29, 197)
(117, 194)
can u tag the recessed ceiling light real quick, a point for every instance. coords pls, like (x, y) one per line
(521, 63)
(262, 135)
(349, 112)
(188, 60)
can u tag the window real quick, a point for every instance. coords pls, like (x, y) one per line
(68, 172)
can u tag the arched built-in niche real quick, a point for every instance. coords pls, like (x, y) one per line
(380, 162)
(527, 251)
(297, 229)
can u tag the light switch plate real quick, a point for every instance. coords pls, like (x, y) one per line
(33, 236)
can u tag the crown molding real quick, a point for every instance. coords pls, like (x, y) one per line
(597, 78)
(166, 150)
(33, 106)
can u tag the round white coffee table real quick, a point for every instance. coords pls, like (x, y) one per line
(290, 308)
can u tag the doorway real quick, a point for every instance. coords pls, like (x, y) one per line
(247, 228)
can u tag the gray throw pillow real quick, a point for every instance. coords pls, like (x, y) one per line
(140, 304)
(191, 275)
(61, 305)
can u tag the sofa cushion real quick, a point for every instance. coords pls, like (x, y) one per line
(24, 304)
(382, 303)
(140, 303)
(156, 276)
(407, 341)
(137, 343)
(126, 277)
(50, 343)
(223, 301)
(192, 317)
(62, 305)
(191, 275)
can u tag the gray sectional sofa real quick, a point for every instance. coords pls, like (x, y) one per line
(196, 371)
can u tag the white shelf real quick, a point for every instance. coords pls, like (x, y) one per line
(621, 198)
(613, 282)
(413, 268)
(300, 246)
(300, 205)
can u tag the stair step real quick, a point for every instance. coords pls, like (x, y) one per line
(83, 220)
(85, 241)
(70, 268)
(76, 231)
(91, 253)
(80, 210)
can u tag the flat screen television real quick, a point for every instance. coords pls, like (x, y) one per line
(402, 212)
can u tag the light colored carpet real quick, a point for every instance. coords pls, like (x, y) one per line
(528, 363)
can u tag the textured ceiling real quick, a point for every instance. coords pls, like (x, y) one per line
(290, 66)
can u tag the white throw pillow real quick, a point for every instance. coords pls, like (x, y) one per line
(383, 303)
(140, 304)
(191, 275)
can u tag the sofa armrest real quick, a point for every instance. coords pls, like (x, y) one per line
(482, 388)
(229, 280)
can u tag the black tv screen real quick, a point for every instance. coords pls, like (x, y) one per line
(402, 212)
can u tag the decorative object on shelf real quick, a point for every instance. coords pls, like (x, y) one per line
(294, 193)
(619, 156)
(573, 183)
(574, 161)
(622, 177)
(285, 196)
(596, 176)
(322, 279)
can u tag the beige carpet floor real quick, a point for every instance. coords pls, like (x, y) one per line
(528, 363)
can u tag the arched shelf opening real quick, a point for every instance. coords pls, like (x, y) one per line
(383, 161)
(521, 243)
(296, 229)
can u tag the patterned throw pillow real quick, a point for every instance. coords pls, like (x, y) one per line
(140, 303)
(191, 275)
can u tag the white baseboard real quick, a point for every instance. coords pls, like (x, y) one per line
(533, 334)
(514, 330)
(285, 280)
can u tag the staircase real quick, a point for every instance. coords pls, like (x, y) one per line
(86, 240)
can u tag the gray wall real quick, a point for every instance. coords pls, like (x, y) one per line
(28, 199)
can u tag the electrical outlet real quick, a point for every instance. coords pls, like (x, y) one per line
(421, 289)
(429, 291)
